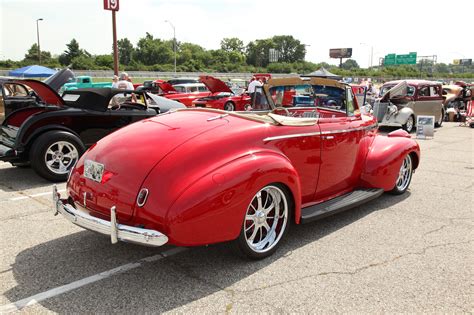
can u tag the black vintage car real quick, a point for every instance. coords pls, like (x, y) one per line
(16, 93)
(52, 137)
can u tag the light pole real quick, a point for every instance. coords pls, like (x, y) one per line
(371, 54)
(38, 35)
(305, 45)
(174, 43)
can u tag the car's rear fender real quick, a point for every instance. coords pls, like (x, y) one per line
(35, 133)
(212, 209)
(384, 159)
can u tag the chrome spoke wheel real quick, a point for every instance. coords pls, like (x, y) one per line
(404, 175)
(409, 124)
(60, 157)
(266, 219)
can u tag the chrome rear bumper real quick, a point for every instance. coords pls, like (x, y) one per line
(116, 231)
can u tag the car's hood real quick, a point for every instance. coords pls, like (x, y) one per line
(57, 80)
(214, 85)
(401, 89)
(166, 87)
(129, 154)
(44, 91)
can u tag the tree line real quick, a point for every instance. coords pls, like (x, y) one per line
(154, 54)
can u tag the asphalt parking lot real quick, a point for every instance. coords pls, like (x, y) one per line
(409, 253)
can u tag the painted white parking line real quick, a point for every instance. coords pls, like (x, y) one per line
(34, 299)
(36, 195)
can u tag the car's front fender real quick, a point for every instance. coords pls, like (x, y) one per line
(402, 115)
(384, 160)
(212, 209)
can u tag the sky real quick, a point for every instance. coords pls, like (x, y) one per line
(370, 28)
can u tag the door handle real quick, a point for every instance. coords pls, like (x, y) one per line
(328, 137)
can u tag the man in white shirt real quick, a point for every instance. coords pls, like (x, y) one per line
(251, 88)
(123, 82)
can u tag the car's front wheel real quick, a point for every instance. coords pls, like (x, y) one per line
(404, 176)
(229, 106)
(266, 222)
(410, 124)
(54, 153)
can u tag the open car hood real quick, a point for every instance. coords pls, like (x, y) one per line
(166, 87)
(57, 80)
(44, 91)
(214, 85)
(401, 89)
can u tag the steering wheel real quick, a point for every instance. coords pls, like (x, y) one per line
(131, 105)
(281, 108)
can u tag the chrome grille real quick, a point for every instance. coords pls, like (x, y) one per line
(380, 109)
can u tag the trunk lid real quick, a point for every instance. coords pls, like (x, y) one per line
(129, 154)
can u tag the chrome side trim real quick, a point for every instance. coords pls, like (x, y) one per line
(296, 135)
(311, 134)
(117, 232)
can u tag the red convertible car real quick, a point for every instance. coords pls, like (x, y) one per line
(202, 176)
(222, 97)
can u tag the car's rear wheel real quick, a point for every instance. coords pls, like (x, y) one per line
(410, 124)
(404, 176)
(266, 222)
(54, 153)
(229, 106)
(440, 120)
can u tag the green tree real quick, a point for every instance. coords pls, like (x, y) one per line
(290, 49)
(32, 55)
(257, 52)
(350, 64)
(152, 51)
(104, 61)
(82, 62)
(125, 51)
(71, 52)
(232, 44)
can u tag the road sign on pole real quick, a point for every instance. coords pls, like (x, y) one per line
(113, 5)
(407, 59)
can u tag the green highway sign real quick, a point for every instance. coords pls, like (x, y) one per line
(393, 59)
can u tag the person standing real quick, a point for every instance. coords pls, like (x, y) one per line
(251, 88)
(123, 82)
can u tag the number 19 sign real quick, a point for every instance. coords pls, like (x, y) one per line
(112, 5)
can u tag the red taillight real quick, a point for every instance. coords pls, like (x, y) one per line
(106, 177)
(142, 196)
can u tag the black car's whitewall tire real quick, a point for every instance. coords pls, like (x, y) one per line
(266, 221)
(54, 153)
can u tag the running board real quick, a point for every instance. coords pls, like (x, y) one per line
(339, 204)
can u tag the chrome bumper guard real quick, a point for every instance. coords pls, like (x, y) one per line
(116, 231)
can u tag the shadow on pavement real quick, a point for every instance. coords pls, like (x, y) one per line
(15, 179)
(155, 286)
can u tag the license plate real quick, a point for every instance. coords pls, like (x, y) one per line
(93, 170)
